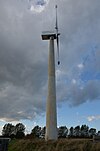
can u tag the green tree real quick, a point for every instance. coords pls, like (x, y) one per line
(84, 131)
(62, 131)
(36, 131)
(98, 133)
(77, 131)
(8, 130)
(71, 133)
(20, 130)
(43, 131)
(92, 131)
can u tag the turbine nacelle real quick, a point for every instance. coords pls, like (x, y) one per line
(47, 34)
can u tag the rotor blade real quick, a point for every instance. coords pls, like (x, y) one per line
(58, 48)
(57, 35)
(56, 26)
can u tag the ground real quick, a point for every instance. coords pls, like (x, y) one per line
(60, 145)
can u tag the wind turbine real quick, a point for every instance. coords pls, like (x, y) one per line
(51, 111)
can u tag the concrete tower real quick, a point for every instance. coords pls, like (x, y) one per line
(51, 113)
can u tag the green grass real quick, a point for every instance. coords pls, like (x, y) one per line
(60, 145)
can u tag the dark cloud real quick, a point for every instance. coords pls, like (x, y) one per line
(24, 56)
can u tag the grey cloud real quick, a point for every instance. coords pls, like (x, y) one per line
(76, 95)
(23, 64)
(90, 92)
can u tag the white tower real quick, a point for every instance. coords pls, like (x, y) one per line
(51, 113)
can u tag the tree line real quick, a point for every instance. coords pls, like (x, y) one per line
(18, 131)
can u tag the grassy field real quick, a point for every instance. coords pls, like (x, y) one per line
(60, 145)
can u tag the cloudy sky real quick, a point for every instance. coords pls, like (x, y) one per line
(24, 61)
